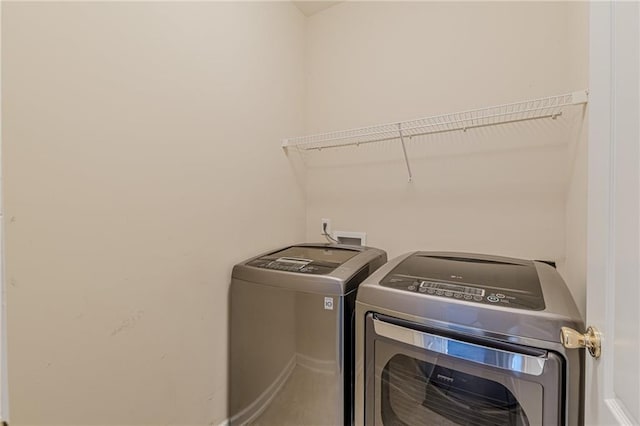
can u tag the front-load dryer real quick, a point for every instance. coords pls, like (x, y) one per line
(460, 339)
(292, 334)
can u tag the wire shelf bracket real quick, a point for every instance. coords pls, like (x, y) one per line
(535, 109)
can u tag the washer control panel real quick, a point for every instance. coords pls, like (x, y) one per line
(291, 264)
(466, 293)
(305, 259)
(288, 264)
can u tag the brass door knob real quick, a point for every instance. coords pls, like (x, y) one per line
(572, 339)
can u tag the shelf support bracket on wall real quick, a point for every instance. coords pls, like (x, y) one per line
(404, 151)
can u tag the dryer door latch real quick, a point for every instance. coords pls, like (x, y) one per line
(572, 339)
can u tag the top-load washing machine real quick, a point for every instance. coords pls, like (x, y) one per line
(459, 339)
(292, 334)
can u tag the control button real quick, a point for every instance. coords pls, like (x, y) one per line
(412, 287)
(457, 296)
(493, 299)
(439, 292)
(422, 290)
(448, 293)
(467, 297)
(430, 291)
(477, 298)
(500, 295)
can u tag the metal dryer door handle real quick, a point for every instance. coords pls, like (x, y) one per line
(472, 352)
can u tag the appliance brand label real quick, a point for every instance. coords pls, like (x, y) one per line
(445, 378)
(328, 303)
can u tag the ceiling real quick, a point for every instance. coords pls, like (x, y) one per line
(312, 7)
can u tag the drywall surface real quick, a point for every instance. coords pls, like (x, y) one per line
(574, 268)
(141, 161)
(4, 396)
(499, 190)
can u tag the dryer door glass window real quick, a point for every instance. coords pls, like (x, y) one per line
(416, 392)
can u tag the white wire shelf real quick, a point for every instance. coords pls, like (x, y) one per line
(535, 109)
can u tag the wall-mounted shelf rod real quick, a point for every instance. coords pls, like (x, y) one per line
(549, 107)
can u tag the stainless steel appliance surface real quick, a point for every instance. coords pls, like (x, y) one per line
(457, 339)
(291, 334)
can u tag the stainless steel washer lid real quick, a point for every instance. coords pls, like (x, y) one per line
(409, 297)
(290, 267)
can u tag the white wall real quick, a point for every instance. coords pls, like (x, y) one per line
(4, 401)
(141, 161)
(495, 190)
(574, 268)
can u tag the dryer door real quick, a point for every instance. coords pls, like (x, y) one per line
(417, 377)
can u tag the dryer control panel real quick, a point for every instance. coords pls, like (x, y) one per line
(465, 293)
(488, 280)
